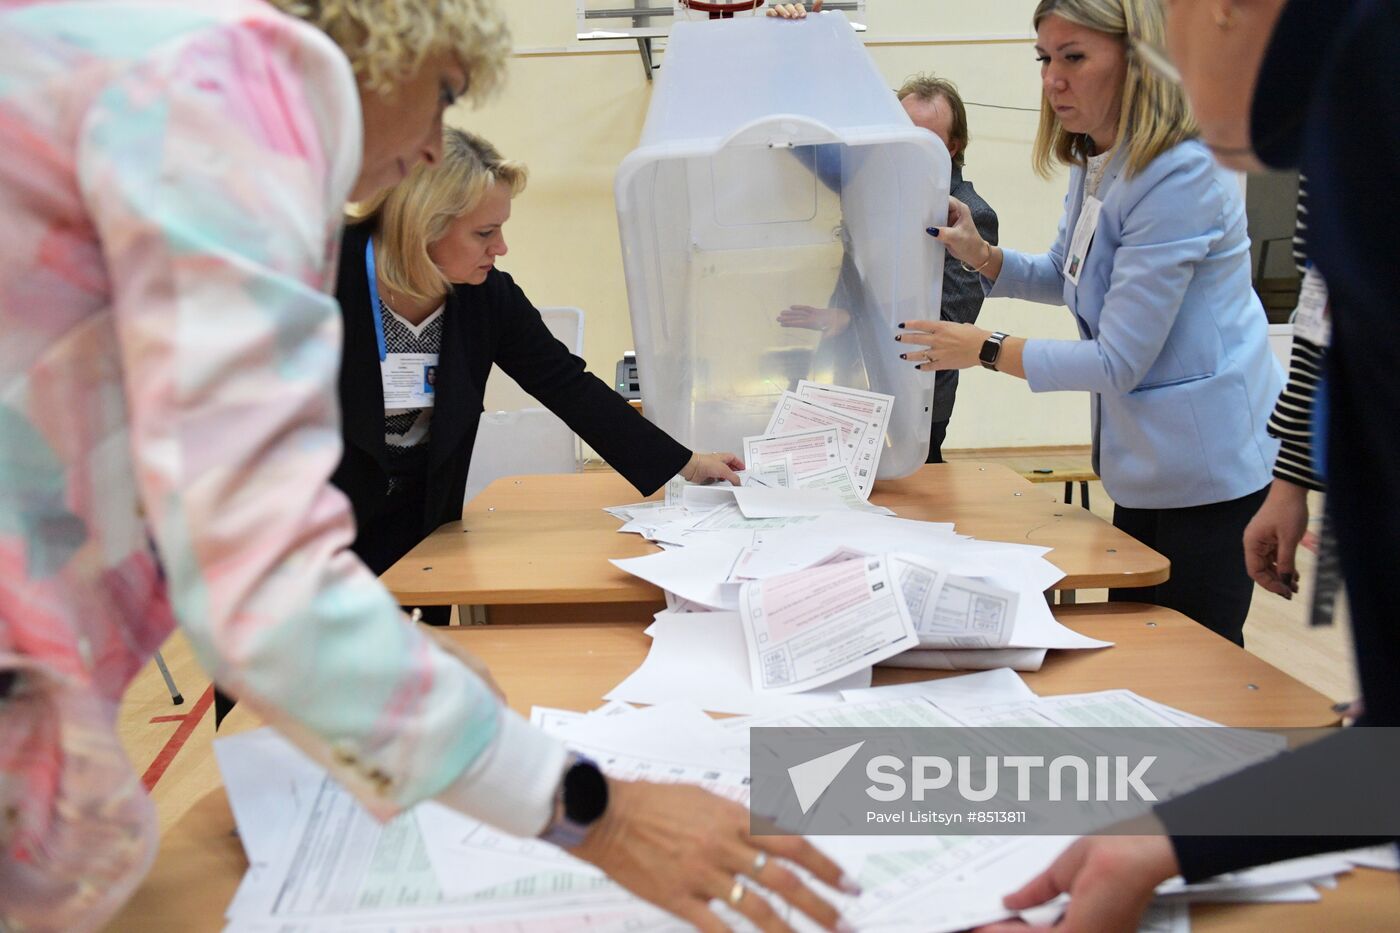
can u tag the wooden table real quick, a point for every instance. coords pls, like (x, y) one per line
(546, 541)
(1159, 653)
(1068, 465)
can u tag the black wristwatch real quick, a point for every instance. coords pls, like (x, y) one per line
(991, 351)
(580, 802)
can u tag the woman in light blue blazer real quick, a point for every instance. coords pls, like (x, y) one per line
(1152, 259)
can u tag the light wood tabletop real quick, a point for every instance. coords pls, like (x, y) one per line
(1159, 653)
(547, 540)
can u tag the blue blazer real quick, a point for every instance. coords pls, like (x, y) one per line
(1175, 341)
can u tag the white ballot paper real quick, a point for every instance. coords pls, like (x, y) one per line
(702, 658)
(775, 473)
(807, 451)
(871, 407)
(950, 611)
(794, 415)
(809, 628)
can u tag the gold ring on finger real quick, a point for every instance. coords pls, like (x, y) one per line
(736, 893)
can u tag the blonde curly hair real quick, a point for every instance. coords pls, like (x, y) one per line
(386, 42)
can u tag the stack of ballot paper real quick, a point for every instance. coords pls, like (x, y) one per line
(319, 862)
(822, 437)
(818, 584)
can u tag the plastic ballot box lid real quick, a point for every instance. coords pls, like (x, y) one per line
(772, 222)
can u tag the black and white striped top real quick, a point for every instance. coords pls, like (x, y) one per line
(1291, 421)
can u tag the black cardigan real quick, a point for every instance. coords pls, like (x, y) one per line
(482, 324)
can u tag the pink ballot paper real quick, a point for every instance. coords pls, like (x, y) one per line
(818, 625)
(808, 451)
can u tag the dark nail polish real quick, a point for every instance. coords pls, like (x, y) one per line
(904, 356)
(901, 325)
(932, 231)
(1287, 578)
(898, 337)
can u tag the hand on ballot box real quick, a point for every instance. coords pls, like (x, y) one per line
(707, 468)
(830, 321)
(681, 847)
(793, 10)
(454, 647)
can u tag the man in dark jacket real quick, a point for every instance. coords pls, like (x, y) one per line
(934, 104)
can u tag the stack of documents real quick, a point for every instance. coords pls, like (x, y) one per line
(319, 862)
(803, 584)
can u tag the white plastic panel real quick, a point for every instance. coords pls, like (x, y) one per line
(753, 191)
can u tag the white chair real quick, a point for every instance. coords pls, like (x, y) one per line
(517, 434)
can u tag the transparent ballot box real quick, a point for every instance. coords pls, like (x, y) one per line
(772, 221)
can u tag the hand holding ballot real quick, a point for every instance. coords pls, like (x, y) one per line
(681, 848)
(705, 468)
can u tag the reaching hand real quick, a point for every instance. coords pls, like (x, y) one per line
(1109, 879)
(1271, 538)
(793, 10)
(706, 468)
(830, 321)
(681, 847)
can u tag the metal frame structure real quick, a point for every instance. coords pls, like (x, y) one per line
(650, 20)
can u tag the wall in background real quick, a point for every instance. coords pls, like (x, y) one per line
(572, 110)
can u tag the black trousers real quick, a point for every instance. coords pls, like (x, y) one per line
(936, 433)
(1205, 544)
(387, 535)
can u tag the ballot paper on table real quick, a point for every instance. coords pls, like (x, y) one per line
(702, 658)
(810, 628)
(951, 611)
(969, 659)
(831, 490)
(983, 687)
(871, 407)
(793, 415)
(805, 451)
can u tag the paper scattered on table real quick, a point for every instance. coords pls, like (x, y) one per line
(702, 658)
(332, 867)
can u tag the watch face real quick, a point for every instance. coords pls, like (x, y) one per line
(991, 349)
(585, 793)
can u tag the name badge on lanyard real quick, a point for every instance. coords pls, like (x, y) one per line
(409, 379)
(1083, 237)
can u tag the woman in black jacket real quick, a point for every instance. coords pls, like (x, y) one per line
(417, 355)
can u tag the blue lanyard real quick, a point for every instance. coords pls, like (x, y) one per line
(374, 299)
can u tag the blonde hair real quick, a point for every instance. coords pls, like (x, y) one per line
(1154, 116)
(927, 87)
(415, 213)
(387, 42)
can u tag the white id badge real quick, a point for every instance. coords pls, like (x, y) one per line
(1310, 320)
(409, 379)
(1083, 236)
